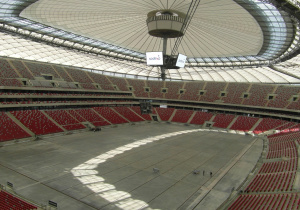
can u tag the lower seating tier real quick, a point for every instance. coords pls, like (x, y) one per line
(267, 124)
(276, 177)
(182, 116)
(200, 118)
(11, 202)
(74, 127)
(282, 181)
(36, 121)
(9, 130)
(128, 114)
(267, 201)
(279, 166)
(165, 113)
(110, 115)
(244, 123)
(223, 120)
(137, 110)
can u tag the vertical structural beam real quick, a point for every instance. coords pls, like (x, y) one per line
(165, 40)
(163, 70)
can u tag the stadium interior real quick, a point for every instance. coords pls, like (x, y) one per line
(85, 123)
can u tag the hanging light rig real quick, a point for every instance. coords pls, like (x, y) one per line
(166, 24)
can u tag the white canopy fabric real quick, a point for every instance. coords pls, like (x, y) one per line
(221, 32)
(218, 28)
(16, 47)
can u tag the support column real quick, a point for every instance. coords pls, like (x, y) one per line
(163, 70)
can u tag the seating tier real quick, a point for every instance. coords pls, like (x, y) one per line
(173, 90)
(267, 124)
(164, 113)
(36, 121)
(109, 114)
(223, 120)
(258, 95)
(192, 91)
(11, 202)
(128, 114)
(244, 123)
(182, 116)
(9, 130)
(137, 110)
(138, 87)
(267, 201)
(235, 93)
(200, 118)
(213, 91)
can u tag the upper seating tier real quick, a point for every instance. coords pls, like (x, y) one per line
(79, 76)
(138, 87)
(155, 89)
(173, 90)
(10, 82)
(258, 95)
(235, 93)
(192, 91)
(6, 70)
(12, 71)
(19, 66)
(39, 69)
(120, 83)
(213, 90)
(283, 94)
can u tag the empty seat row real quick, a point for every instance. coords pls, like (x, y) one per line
(9, 130)
(257, 94)
(36, 121)
(11, 202)
(244, 123)
(173, 90)
(111, 115)
(128, 114)
(279, 166)
(88, 115)
(288, 152)
(182, 116)
(164, 113)
(267, 124)
(223, 120)
(282, 181)
(280, 201)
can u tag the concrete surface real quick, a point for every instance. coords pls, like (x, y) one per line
(69, 169)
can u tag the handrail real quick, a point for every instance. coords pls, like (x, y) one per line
(165, 17)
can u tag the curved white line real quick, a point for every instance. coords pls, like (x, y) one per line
(86, 174)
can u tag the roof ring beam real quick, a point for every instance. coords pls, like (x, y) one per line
(283, 72)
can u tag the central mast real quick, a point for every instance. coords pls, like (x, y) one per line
(166, 24)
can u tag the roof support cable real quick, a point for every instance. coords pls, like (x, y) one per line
(191, 11)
